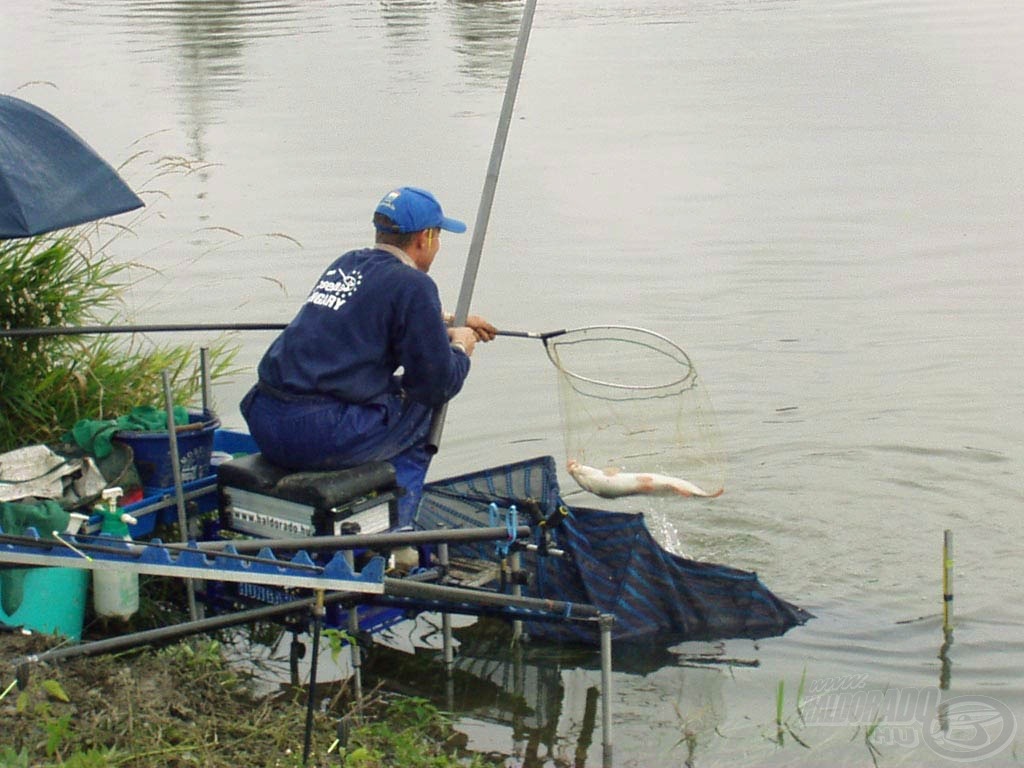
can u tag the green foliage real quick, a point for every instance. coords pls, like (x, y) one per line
(47, 384)
(197, 654)
(9, 758)
(783, 724)
(57, 730)
(338, 639)
(55, 691)
(93, 758)
(186, 704)
(411, 732)
(36, 702)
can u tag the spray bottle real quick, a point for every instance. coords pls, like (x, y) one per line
(115, 593)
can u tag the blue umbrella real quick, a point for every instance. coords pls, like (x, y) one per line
(49, 177)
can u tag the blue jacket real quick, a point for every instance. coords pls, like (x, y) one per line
(368, 315)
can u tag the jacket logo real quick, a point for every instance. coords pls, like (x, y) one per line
(335, 288)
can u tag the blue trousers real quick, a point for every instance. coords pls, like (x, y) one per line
(315, 433)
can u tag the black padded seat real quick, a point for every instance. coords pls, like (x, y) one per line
(321, 490)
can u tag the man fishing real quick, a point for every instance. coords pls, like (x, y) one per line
(358, 372)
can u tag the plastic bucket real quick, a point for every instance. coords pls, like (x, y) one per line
(153, 451)
(54, 601)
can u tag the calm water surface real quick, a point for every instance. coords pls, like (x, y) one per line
(822, 201)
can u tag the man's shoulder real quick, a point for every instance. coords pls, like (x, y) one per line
(361, 255)
(382, 271)
(369, 261)
(379, 258)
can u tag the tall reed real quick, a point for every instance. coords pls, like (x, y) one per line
(47, 384)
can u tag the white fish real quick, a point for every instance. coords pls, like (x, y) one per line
(612, 483)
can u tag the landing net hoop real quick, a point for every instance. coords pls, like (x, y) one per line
(633, 402)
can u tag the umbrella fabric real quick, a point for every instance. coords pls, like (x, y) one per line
(49, 177)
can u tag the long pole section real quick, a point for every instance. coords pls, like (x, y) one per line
(483, 214)
(98, 330)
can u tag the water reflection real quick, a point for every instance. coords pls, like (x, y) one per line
(209, 38)
(538, 703)
(483, 32)
(484, 35)
(406, 20)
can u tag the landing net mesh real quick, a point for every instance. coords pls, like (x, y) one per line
(631, 399)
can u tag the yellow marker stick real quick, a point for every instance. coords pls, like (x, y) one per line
(947, 580)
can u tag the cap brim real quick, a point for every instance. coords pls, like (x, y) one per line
(452, 225)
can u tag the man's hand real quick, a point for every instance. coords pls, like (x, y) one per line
(484, 330)
(463, 338)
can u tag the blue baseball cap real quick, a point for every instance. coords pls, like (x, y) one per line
(413, 210)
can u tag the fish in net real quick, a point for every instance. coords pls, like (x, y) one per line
(636, 417)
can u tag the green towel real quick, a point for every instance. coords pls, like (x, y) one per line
(94, 436)
(15, 518)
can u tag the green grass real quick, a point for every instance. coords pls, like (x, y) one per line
(187, 705)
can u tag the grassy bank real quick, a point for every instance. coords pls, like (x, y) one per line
(184, 705)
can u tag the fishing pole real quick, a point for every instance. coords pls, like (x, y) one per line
(88, 330)
(98, 330)
(483, 213)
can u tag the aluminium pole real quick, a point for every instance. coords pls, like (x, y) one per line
(483, 213)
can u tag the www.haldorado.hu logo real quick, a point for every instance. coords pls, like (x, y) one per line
(970, 728)
(961, 728)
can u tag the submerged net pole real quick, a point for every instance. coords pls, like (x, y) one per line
(483, 213)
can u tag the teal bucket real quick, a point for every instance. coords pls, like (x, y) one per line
(53, 602)
(152, 451)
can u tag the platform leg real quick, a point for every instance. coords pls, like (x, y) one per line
(606, 623)
(353, 630)
(515, 563)
(446, 619)
(318, 620)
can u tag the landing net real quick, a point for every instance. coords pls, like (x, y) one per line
(631, 400)
(602, 558)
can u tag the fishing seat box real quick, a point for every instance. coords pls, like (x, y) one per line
(265, 500)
